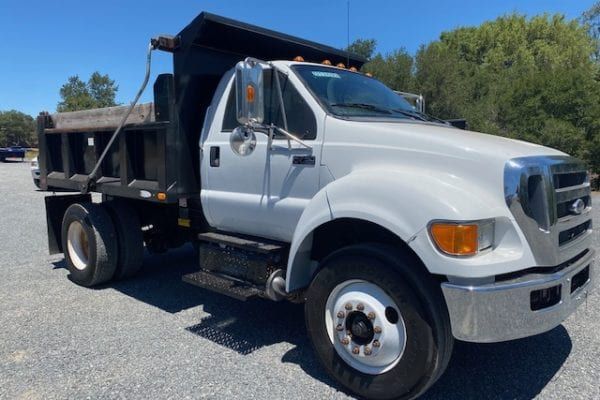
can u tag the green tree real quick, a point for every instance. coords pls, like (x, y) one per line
(394, 69)
(16, 129)
(592, 20)
(102, 89)
(528, 78)
(99, 91)
(363, 47)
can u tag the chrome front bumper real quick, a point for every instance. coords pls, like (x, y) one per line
(503, 310)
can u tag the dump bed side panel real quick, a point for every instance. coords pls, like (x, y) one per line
(145, 160)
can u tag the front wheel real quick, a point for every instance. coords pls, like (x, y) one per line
(377, 326)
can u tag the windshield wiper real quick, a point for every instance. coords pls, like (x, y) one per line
(420, 115)
(365, 106)
(412, 114)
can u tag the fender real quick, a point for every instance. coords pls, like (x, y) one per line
(401, 201)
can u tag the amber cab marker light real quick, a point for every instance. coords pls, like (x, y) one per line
(353, 69)
(161, 196)
(326, 62)
(455, 239)
(341, 65)
(299, 59)
(370, 75)
(250, 94)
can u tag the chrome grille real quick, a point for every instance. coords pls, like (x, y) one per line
(541, 193)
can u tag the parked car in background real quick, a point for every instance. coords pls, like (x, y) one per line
(35, 172)
(12, 152)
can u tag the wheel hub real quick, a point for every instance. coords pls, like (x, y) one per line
(360, 327)
(361, 333)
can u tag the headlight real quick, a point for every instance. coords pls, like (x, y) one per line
(458, 238)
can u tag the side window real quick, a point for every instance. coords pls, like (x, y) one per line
(300, 118)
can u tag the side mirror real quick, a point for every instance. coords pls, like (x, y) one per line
(249, 92)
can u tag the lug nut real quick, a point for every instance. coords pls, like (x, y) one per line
(348, 306)
(345, 341)
(367, 351)
(376, 343)
(341, 314)
(371, 315)
(355, 350)
(360, 307)
(339, 328)
(377, 329)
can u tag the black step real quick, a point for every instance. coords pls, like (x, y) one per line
(221, 284)
(249, 243)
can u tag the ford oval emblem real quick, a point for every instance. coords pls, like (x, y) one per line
(577, 207)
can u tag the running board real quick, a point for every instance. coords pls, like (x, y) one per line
(223, 285)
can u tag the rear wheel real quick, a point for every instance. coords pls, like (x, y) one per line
(378, 327)
(89, 244)
(130, 238)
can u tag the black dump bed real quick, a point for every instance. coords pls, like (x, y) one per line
(158, 151)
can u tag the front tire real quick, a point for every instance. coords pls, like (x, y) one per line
(378, 326)
(89, 244)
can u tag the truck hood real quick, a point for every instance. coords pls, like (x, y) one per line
(426, 149)
(413, 141)
(449, 140)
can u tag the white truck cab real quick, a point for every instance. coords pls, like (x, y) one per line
(367, 158)
(318, 184)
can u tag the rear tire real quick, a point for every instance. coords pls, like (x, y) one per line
(89, 244)
(373, 293)
(130, 238)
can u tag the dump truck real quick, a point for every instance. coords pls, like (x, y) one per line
(297, 177)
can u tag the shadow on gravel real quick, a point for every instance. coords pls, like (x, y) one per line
(518, 369)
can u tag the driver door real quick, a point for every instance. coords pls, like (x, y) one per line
(265, 192)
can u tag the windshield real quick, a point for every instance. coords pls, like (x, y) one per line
(351, 94)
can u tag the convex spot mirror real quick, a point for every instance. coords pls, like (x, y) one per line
(249, 93)
(242, 141)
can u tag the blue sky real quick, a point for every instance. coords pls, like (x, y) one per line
(44, 42)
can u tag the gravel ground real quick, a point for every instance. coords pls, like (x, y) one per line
(157, 337)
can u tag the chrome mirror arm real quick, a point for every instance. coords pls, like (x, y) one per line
(291, 136)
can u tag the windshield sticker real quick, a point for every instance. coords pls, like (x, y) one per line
(323, 74)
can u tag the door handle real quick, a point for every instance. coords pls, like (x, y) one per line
(215, 156)
(303, 160)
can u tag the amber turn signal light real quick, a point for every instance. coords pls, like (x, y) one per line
(250, 94)
(455, 239)
(299, 58)
(162, 196)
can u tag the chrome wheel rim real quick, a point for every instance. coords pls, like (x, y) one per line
(365, 326)
(78, 245)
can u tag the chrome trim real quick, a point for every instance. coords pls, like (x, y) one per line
(542, 234)
(502, 311)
